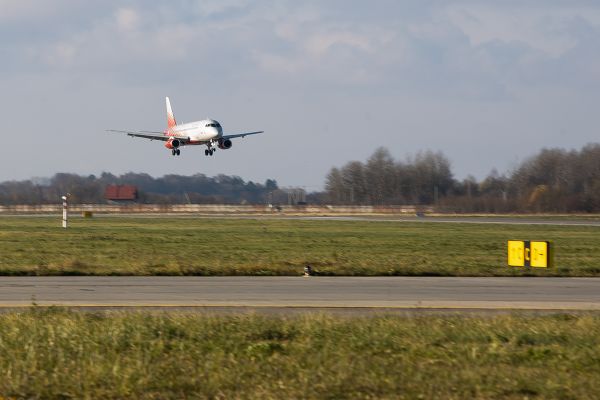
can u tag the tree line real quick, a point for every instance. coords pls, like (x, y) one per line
(383, 180)
(554, 180)
(169, 189)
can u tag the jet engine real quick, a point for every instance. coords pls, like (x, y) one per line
(225, 144)
(173, 144)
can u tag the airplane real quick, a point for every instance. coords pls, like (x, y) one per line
(205, 132)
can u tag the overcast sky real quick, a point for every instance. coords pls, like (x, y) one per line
(488, 83)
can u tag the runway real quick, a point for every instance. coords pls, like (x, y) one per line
(455, 219)
(299, 292)
(503, 220)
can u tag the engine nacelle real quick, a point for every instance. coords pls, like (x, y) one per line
(173, 144)
(225, 144)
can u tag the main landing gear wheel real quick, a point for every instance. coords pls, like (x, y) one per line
(178, 152)
(205, 152)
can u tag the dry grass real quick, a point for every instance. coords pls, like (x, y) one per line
(60, 354)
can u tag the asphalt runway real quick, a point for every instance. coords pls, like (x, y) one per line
(419, 293)
(463, 220)
(501, 220)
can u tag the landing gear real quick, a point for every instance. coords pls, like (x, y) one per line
(176, 152)
(209, 152)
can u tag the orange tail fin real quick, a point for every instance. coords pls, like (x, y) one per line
(170, 118)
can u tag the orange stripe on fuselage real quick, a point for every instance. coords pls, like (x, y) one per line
(191, 142)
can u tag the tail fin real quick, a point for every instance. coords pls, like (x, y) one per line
(170, 118)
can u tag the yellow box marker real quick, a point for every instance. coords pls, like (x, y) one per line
(541, 256)
(516, 253)
(525, 253)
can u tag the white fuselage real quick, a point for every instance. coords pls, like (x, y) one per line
(199, 132)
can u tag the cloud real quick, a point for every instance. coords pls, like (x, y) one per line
(410, 75)
(546, 29)
(128, 19)
(463, 43)
(15, 10)
(319, 44)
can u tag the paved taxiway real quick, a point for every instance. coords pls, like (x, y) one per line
(501, 220)
(463, 220)
(311, 292)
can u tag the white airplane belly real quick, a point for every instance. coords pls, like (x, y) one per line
(202, 137)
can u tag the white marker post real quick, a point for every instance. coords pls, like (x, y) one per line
(65, 215)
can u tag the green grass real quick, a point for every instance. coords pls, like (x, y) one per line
(61, 354)
(198, 246)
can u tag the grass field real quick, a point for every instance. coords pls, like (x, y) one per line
(200, 246)
(61, 354)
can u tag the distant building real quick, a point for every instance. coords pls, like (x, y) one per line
(121, 193)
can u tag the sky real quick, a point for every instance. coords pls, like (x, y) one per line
(487, 83)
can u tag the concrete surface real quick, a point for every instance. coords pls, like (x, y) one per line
(299, 292)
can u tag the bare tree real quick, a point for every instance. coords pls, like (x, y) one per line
(355, 182)
(334, 186)
(380, 175)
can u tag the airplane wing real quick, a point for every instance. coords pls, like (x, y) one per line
(151, 135)
(240, 135)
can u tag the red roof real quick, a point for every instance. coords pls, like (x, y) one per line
(120, 192)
